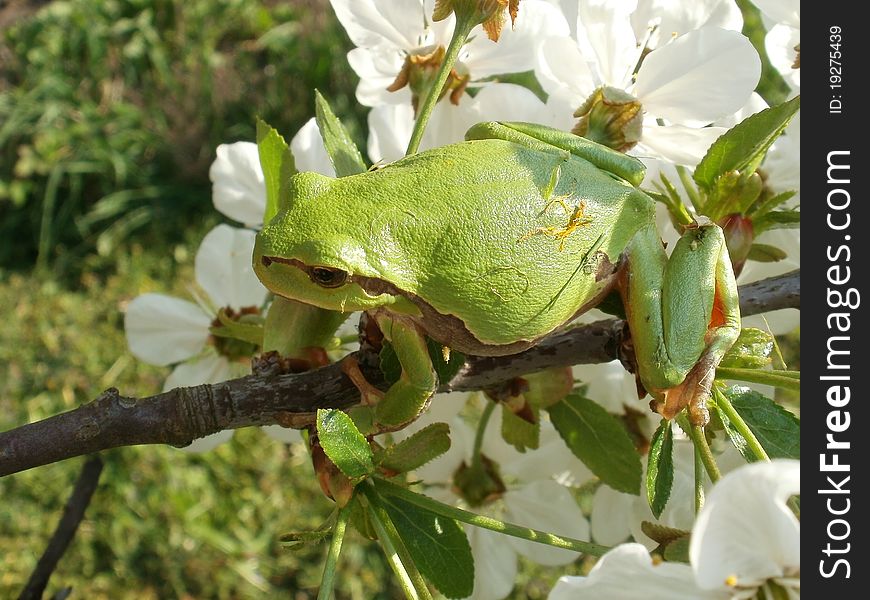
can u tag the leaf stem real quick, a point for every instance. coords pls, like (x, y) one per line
(460, 34)
(327, 580)
(397, 555)
(696, 432)
(699, 481)
(525, 533)
(789, 380)
(740, 425)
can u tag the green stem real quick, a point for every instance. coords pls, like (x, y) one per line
(789, 380)
(400, 560)
(525, 533)
(478, 435)
(699, 481)
(703, 448)
(740, 425)
(460, 34)
(327, 581)
(689, 186)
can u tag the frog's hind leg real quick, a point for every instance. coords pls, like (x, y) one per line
(683, 313)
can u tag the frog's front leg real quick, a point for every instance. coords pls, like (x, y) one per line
(683, 314)
(408, 396)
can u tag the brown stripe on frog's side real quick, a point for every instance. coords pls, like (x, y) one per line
(450, 330)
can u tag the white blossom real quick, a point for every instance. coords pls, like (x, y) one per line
(745, 539)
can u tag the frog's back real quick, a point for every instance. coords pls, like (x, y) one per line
(470, 229)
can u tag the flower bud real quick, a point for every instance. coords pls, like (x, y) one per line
(610, 117)
(739, 235)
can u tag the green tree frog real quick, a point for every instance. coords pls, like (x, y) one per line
(489, 245)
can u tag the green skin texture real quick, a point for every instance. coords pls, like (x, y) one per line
(459, 243)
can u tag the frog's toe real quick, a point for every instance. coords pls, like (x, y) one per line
(693, 393)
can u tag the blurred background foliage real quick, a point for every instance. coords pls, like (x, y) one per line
(110, 113)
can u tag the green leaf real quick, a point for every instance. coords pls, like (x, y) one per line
(518, 432)
(342, 151)
(344, 444)
(438, 545)
(428, 443)
(660, 468)
(662, 534)
(751, 350)
(777, 219)
(238, 330)
(276, 161)
(743, 147)
(777, 429)
(598, 439)
(768, 205)
(678, 550)
(766, 253)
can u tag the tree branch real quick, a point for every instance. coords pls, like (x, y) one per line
(181, 415)
(73, 513)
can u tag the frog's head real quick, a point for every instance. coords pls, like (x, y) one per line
(311, 252)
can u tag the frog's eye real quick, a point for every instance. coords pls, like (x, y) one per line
(326, 277)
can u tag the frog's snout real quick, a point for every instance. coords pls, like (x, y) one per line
(266, 261)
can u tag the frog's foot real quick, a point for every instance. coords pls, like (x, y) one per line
(369, 393)
(693, 393)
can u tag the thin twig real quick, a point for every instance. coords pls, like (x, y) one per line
(179, 416)
(73, 513)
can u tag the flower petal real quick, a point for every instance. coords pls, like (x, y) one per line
(606, 36)
(699, 77)
(676, 17)
(210, 368)
(787, 12)
(377, 69)
(626, 573)
(162, 330)
(223, 268)
(611, 513)
(503, 102)
(390, 127)
(676, 143)
(371, 22)
(611, 386)
(745, 530)
(780, 44)
(561, 69)
(550, 507)
(495, 564)
(238, 186)
(309, 152)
